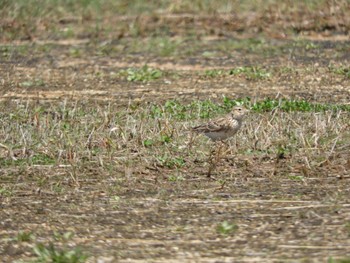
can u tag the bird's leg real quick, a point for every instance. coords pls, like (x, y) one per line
(214, 157)
(219, 153)
(190, 143)
(211, 161)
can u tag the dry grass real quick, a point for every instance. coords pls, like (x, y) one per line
(81, 134)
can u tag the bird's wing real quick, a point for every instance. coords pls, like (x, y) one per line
(216, 125)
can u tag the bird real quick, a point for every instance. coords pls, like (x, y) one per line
(225, 127)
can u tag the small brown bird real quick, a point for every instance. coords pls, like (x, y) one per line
(223, 128)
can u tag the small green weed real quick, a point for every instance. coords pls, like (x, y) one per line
(282, 150)
(296, 177)
(32, 83)
(343, 71)
(148, 143)
(144, 74)
(175, 178)
(51, 254)
(42, 159)
(209, 54)
(212, 73)
(170, 162)
(66, 236)
(5, 192)
(176, 108)
(251, 73)
(75, 52)
(165, 138)
(24, 236)
(115, 201)
(226, 228)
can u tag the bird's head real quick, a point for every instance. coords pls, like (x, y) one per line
(238, 112)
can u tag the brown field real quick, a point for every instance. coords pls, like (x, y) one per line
(96, 157)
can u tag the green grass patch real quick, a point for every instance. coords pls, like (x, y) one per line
(42, 159)
(226, 228)
(37, 159)
(208, 109)
(6, 162)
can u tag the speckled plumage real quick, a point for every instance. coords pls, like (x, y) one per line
(223, 128)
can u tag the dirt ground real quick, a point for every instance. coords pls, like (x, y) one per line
(138, 214)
